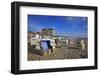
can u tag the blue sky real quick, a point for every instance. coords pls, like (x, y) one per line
(72, 26)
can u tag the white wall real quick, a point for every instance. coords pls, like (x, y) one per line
(5, 41)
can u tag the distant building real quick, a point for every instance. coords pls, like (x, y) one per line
(46, 33)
